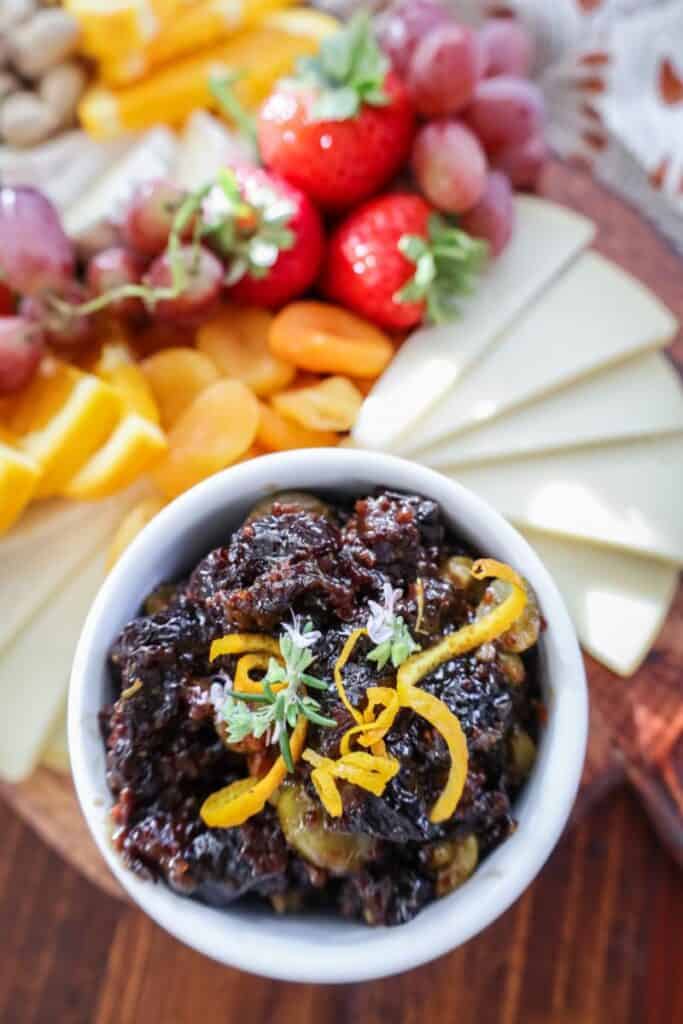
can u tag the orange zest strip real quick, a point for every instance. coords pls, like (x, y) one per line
(359, 768)
(488, 628)
(243, 681)
(347, 650)
(372, 730)
(234, 804)
(244, 643)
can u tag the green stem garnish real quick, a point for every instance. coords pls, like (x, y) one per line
(446, 265)
(280, 711)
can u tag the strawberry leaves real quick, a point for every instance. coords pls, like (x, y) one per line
(447, 263)
(348, 71)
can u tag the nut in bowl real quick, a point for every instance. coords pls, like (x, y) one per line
(316, 944)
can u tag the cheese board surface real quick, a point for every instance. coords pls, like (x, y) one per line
(47, 801)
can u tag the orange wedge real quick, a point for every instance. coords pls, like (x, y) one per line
(61, 419)
(19, 476)
(116, 365)
(133, 447)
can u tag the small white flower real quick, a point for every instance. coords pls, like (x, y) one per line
(297, 636)
(218, 691)
(381, 622)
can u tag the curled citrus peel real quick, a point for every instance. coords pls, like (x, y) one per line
(358, 767)
(346, 653)
(433, 710)
(372, 730)
(244, 643)
(243, 681)
(236, 803)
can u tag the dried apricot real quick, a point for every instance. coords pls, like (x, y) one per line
(212, 433)
(176, 376)
(333, 404)
(277, 433)
(324, 338)
(236, 340)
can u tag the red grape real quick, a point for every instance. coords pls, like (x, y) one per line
(35, 254)
(444, 70)
(401, 27)
(507, 47)
(149, 217)
(505, 110)
(522, 163)
(64, 328)
(7, 302)
(110, 269)
(493, 217)
(205, 274)
(450, 165)
(21, 347)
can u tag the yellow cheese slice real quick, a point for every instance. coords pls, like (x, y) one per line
(641, 397)
(55, 753)
(618, 601)
(625, 495)
(133, 447)
(593, 316)
(546, 238)
(35, 667)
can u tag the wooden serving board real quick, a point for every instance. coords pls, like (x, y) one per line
(636, 724)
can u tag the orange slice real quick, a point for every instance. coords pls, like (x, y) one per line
(63, 417)
(19, 476)
(117, 366)
(132, 448)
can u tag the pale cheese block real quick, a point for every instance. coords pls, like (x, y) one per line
(55, 753)
(149, 157)
(593, 316)
(35, 668)
(618, 601)
(546, 238)
(641, 397)
(207, 145)
(627, 495)
(43, 550)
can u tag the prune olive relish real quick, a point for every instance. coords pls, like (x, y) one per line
(335, 710)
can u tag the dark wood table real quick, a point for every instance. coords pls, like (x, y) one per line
(597, 938)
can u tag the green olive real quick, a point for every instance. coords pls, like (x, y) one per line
(302, 499)
(302, 822)
(523, 752)
(456, 860)
(512, 667)
(523, 634)
(457, 570)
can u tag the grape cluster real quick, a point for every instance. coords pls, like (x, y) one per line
(482, 134)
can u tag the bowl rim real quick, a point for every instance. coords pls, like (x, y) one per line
(251, 940)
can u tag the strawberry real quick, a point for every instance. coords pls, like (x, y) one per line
(344, 127)
(396, 261)
(270, 232)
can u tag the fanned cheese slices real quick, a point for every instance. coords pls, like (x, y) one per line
(626, 495)
(618, 601)
(593, 316)
(641, 397)
(34, 670)
(546, 238)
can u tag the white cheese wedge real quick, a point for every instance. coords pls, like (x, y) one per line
(593, 316)
(546, 238)
(618, 601)
(206, 147)
(55, 753)
(627, 495)
(43, 549)
(642, 397)
(34, 670)
(149, 157)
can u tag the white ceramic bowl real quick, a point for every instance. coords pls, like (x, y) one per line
(326, 948)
